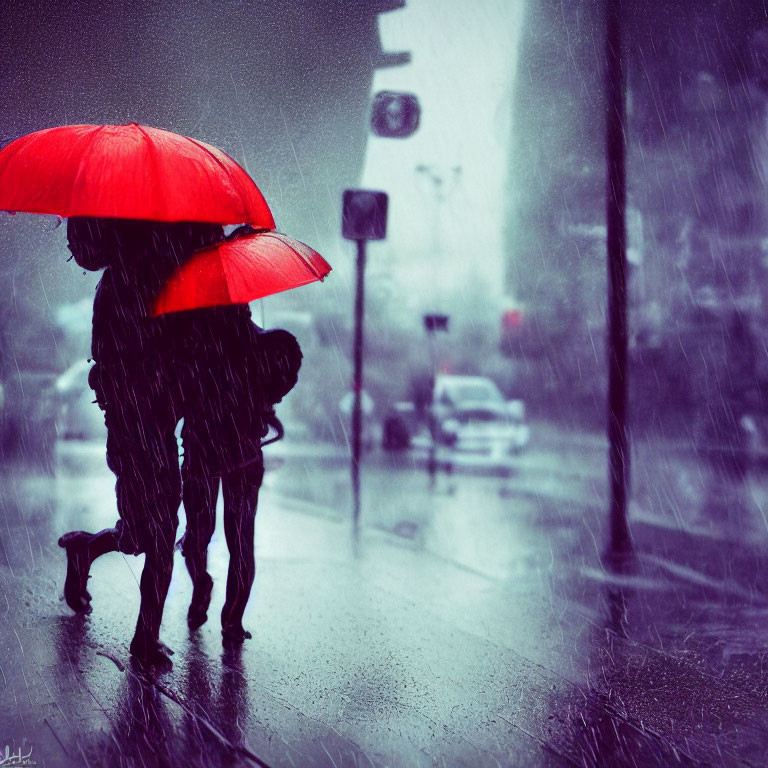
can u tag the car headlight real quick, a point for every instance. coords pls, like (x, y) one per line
(450, 425)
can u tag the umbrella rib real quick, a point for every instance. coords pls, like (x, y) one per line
(201, 258)
(232, 271)
(91, 140)
(300, 256)
(153, 153)
(235, 182)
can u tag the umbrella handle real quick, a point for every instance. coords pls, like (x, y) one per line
(277, 425)
(243, 230)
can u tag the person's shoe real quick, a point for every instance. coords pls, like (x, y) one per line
(201, 599)
(78, 564)
(151, 655)
(234, 634)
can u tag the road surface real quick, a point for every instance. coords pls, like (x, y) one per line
(474, 624)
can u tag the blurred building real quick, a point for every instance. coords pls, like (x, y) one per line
(696, 175)
(283, 87)
(445, 249)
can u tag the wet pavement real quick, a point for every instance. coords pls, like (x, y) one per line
(476, 624)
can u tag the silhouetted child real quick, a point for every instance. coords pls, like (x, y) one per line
(230, 399)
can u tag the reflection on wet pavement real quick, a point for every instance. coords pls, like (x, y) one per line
(472, 627)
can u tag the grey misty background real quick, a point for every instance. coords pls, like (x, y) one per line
(696, 159)
(285, 89)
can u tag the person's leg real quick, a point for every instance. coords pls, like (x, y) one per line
(199, 494)
(150, 518)
(200, 489)
(143, 453)
(156, 536)
(241, 494)
(133, 495)
(83, 548)
(155, 580)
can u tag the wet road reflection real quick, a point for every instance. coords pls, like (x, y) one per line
(470, 626)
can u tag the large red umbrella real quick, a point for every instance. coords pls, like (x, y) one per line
(128, 172)
(241, 270)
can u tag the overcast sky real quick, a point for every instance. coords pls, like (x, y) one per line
(464, 57)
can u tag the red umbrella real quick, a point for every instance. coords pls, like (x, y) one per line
(241, 270)
(127, 172)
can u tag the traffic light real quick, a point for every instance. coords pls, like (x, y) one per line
(512, 326)
(434, 323)
(364, 214)
(511, 321)
(395, 115)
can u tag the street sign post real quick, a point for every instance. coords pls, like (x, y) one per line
(364, 217)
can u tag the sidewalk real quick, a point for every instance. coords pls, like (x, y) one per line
(355, 661)
(385, 656)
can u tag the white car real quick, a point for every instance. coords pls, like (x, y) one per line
(471, 415)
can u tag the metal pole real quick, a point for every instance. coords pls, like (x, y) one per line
(357, 385)
(615, 147)
(432, 456)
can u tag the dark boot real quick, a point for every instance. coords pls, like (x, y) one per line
(78, 565)
(82, 549)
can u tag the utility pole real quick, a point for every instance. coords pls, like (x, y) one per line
(433, 324)
(615, 214)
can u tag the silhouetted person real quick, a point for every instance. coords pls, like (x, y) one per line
(204, 366)
(229, 403)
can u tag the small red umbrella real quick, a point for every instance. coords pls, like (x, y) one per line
(128, 172)
(240, 270)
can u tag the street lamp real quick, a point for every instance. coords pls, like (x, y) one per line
(395, 114)
(442, 184)
(440, 181)
(433, 324)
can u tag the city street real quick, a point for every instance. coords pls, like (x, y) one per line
(487, 283)
(475, 624)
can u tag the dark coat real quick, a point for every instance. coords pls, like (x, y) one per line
(138, 258)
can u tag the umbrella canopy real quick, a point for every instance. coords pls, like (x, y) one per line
(237, 271)
(127, 172)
